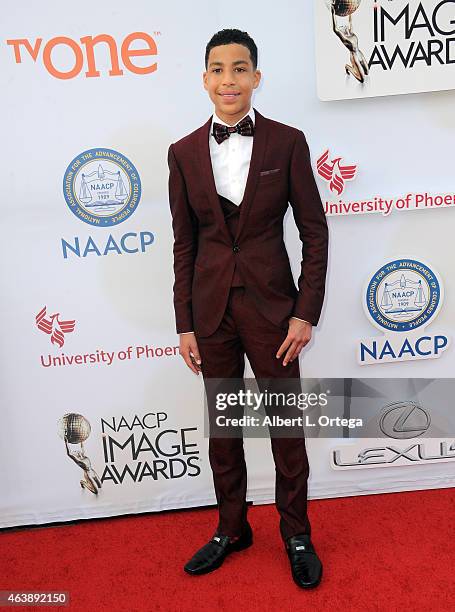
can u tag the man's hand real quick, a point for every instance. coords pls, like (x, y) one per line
(299, 334)
(189, 351)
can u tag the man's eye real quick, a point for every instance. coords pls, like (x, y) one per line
(241, 69)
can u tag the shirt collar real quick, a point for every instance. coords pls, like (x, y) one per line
(218, 120)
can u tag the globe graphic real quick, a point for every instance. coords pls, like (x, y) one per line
(75, 427)
(343, 8)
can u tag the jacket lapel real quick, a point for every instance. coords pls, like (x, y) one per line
(256, 162)
(205, 164)
(257, 157)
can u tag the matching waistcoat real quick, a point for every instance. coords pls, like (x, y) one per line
(231, 215)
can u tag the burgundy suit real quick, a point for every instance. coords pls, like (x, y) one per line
(211, 255)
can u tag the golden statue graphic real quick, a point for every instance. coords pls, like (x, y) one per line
(344, 8)
(75, 429)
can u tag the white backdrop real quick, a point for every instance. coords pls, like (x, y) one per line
(400, 144)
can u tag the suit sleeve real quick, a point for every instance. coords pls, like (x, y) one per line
(184, 225)
(311, 222)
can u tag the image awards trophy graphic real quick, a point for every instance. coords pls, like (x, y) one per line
(345, 8)
(75, 429)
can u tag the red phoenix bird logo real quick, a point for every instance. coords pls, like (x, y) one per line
(54, 327)
(334, 173)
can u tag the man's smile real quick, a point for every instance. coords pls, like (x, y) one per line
(229, 95)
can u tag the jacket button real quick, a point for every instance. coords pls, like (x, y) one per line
(236, 248)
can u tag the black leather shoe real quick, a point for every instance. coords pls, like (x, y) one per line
(212, 554)
(305, 564)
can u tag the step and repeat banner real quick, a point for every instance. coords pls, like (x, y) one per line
(100, 416)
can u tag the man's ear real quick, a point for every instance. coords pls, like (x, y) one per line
(204, 79)
(257, 78)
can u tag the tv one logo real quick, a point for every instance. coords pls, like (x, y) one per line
(64, 57)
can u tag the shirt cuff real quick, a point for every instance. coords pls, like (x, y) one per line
(301, 320)
(190, 332)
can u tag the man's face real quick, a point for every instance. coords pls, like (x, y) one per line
(230, 80)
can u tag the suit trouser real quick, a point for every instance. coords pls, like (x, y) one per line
(243, 330)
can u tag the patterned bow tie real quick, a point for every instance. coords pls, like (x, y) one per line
(222, 132)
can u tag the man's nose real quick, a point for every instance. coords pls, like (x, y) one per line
(229, 78)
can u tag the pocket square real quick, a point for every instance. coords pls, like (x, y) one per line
(265, 172)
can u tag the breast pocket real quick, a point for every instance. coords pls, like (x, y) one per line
(270, 176)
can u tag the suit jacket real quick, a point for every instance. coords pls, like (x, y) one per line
(205, 254)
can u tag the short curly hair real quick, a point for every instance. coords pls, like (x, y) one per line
(229, 36)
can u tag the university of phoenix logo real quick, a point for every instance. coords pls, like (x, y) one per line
(55, 328)
(401, 298)
(334, 173)
(102, 187)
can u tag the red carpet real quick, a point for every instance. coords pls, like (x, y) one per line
(380, 552)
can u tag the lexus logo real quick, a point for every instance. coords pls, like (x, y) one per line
(402, 420)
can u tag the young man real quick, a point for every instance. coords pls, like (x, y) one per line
(230, 184)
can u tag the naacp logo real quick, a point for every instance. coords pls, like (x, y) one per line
(403, 295)
(401, 298)
(102, 187)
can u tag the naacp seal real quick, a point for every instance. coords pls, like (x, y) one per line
(403, 295)
(102, 187)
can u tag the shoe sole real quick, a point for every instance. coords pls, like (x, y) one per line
(219, 563)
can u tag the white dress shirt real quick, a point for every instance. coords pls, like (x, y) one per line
(231, 163)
